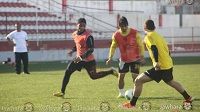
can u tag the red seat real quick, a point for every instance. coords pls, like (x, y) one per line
(14, 4)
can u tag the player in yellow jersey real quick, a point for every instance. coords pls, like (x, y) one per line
(131, 48)
(162, 66)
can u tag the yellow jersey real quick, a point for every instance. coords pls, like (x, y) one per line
(164, 58)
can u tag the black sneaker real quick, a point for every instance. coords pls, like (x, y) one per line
(17, 73)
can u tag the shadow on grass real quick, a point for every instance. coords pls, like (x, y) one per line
(69, 98)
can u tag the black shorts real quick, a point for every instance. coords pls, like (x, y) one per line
(165, 75)
(134, 67)
(82, 64)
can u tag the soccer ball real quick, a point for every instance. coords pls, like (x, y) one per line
(129, 94)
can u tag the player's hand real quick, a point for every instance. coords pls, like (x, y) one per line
(108, 61)
(77, 59)
(70, 53)
(12, 44)
(156, 65)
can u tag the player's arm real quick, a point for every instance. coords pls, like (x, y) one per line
(112, 49)
(154, 50)
(10, 41)
(27, 42)
(72, 51)
(140, 44)
(155, 55)
(151, 44)
(9, 38)
(26, 38)
(90, 45)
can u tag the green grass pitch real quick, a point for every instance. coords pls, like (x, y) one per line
(86, 95)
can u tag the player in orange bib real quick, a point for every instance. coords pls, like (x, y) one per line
(131, 48)
(84, 46)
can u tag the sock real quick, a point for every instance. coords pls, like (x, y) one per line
(133, 101)
(122, 92)
(185, 95)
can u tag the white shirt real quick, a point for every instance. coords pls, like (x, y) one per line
(18, 38)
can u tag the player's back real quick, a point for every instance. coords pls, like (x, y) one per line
(163, 51)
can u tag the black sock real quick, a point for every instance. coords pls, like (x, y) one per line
(185, 95)
(133, 101)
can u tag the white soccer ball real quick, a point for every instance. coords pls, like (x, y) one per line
(129, 94)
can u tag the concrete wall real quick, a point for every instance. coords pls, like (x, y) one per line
(191, 20)
(55, 55)
(100, 54)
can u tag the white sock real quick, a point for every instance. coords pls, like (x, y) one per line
(122, 92)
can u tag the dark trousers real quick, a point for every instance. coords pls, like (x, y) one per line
(21, 56)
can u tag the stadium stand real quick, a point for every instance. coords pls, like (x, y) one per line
(45, 28)
(33, 20)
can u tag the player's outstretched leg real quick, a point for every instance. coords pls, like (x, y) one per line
(96, 75)
(70, 69)
(139, 81)
(115, 72)
(176, 85)
(64, 84)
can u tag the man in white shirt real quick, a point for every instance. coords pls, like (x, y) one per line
(19, 40)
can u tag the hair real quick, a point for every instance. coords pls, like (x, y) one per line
(123, 21)
(81, 20)
(150, 25)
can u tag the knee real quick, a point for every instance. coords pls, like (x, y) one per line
(171, 83)
(134, 76)
(138, 81)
